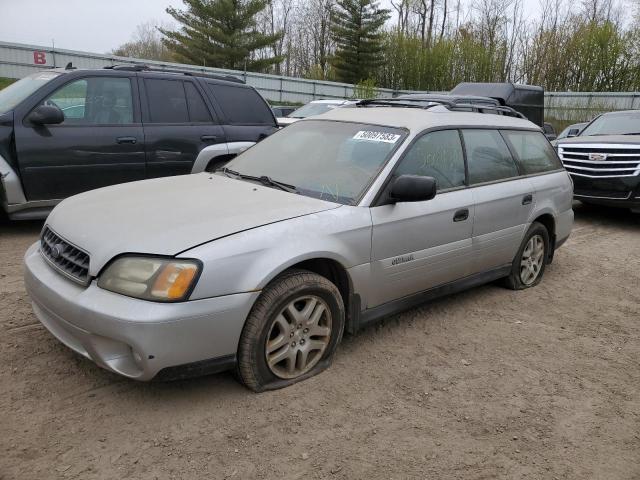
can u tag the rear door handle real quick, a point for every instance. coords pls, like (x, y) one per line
(131, 140)
(208, 138)
(527, 199)
(461, 215)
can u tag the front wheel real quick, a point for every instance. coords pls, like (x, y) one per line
(292, 331)
(530, 261)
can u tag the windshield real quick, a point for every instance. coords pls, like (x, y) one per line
(329, 160)
(614, 124)
(313, 109)
(18, 91)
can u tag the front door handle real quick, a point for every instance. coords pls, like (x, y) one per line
(208, 138)
(131, 140)
(527, 199)
(461, 215)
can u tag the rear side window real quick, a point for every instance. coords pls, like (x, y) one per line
(198, 111)
(488, 156)
(241, 105)
(438, 155)
(167, 101)
(534, 152)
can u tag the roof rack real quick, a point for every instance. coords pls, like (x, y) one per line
(148, 68)
(427, 104)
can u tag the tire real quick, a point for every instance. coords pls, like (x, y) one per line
(521, 276)
(280, 328)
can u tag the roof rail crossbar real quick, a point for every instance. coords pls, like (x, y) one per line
(148, 68)
(430, 103)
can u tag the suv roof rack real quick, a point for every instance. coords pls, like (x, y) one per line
(147, 68)
(451, 105)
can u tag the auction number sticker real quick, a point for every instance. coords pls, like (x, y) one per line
(376, 136)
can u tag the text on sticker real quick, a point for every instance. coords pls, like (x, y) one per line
(376, 136)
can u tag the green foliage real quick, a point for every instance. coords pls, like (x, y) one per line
(357, 32)
(409, 64)
(5, 82)
(586, 55)
(365, 89)
(221, 33)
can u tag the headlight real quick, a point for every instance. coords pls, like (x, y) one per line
(148, 278)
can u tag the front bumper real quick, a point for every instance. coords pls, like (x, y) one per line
(132, 337)
(621, 192)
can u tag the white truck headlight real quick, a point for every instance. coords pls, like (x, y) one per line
(149, 278)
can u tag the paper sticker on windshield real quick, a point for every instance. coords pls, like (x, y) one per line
(376, 136)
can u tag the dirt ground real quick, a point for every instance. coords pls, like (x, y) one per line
(490, 383)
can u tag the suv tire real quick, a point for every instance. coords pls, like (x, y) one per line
(531, 260)
(292, 331)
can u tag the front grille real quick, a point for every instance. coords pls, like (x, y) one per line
(600, 161)
(65, 257)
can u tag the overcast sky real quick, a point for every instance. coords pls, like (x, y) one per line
(91, 25)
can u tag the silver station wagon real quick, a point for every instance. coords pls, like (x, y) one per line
(323, 227)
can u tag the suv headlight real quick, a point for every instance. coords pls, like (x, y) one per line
(148, 278)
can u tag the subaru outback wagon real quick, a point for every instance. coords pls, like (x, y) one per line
(323, 227)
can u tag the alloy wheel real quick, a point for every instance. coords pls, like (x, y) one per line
(298, 336)
(532, 260)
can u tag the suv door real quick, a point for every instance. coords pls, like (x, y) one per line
(503, 199)
(99, 143)
(420, 245)
(178, 123)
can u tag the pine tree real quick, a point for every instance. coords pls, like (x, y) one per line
(221, 33)
(357, 33)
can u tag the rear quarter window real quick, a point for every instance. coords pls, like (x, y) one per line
(488, 157)
(241, 105)
(533, 151)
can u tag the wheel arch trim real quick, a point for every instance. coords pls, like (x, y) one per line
(210, 152)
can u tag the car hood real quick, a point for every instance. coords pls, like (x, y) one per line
(167, 216)
(598, 139)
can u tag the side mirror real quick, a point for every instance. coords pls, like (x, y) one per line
(573, 132)
(413, 188)
(46, 115)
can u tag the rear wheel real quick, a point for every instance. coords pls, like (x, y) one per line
(530, 261)
(292, 331)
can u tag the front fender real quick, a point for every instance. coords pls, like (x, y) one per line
(11, 192)
(249, 260)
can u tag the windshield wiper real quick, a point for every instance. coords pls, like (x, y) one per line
(632, 133)
(265, 180)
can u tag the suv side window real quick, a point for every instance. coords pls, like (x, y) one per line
(534, 152)
(241, 105)
(437, 154)
(488, 156)
(198, 111)
(167, 101)
(95, 101)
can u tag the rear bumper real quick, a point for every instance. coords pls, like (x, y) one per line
(134, 338)
(623, 192)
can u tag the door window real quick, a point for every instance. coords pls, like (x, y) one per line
(198, 111)
(534, 152)
(167, 101)
(95, 101)
(438, 155)
(241, 105)
(488, 156)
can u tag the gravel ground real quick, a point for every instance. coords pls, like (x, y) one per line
(490, 383)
